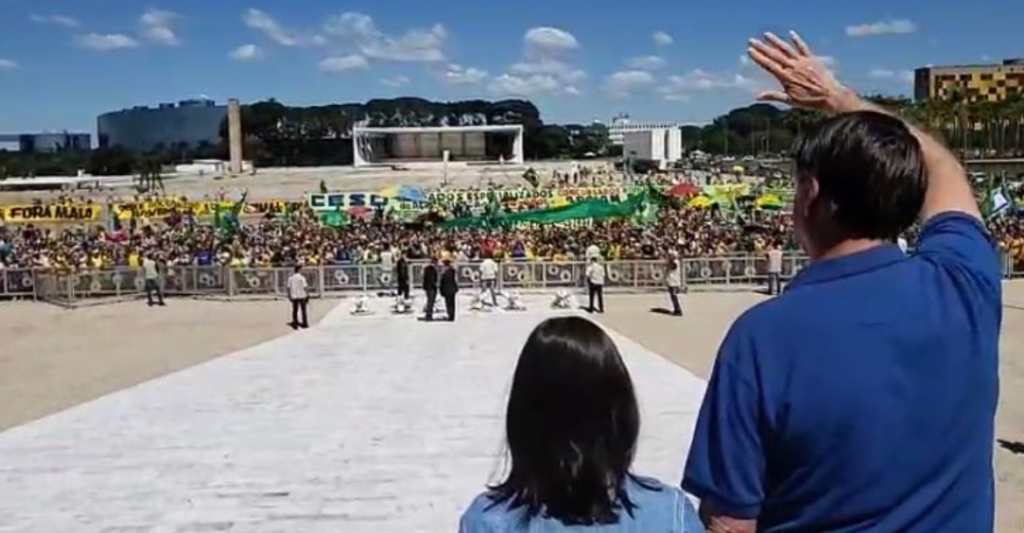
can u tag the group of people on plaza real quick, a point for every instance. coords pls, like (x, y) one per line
(862, 398)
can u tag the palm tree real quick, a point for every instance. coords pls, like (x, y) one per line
(1013, 109)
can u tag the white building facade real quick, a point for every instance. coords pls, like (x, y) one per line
(621, 125)
(664, 145)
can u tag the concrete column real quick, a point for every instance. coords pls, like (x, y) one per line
(235, 136)
(517, 148)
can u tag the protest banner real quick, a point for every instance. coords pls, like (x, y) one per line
(515, 199)
(334, 201)
(51, 213)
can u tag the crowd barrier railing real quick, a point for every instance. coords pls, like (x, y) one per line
(66, 288)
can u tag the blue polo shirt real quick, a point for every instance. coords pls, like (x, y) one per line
(864, 397)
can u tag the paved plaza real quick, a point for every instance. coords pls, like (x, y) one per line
(361, 424)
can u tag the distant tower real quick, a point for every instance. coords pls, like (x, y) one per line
(235, 135)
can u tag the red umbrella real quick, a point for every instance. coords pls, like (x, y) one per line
(359, 211)
(684, 189)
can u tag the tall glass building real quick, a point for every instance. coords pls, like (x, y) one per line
(189, 122)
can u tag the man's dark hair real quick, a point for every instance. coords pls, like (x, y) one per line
(572, 426)
(298, 268)
(870, 171)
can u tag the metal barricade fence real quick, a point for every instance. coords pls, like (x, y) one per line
(1012, 265)
(216, 281)
(17, 283)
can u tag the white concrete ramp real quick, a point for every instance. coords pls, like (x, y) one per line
(362, 424)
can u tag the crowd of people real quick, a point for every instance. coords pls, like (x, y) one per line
(300, 238)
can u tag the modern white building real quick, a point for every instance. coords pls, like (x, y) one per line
(664, 145)
(438, 144)
(621, 125)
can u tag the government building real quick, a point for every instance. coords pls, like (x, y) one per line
(189, 122)
(977, 83)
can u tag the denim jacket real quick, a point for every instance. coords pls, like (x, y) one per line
(665, 510)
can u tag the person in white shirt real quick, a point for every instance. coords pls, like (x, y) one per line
(387, 266)
(774, 270)
(592, 252)
(151, 275)
(595, 284)
(489, 278)
(674, 281)
(299, 297)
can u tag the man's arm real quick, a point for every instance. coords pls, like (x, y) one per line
(726, 462)
(807, 83)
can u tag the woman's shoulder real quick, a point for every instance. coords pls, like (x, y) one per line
(485, 514)
(662, 504)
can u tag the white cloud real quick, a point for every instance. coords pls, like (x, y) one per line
(359, 32)
(545, 41)
(549, 67)
(157, 27)
(681, 87)
(337, 65)
(395, 81)
(662, 39)
(622, 84)
(417, 46)
(56, 20)
(8, 64)
(246, 52)
(744, 60)
(646, 63)
(275, 31)
(104, 42)
(902, 76)
(158, 17)
(509, 85)
(882, 27)
(458, 75)
(543, 69)
(828, 61)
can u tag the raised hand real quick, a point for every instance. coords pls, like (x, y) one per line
(805, 80)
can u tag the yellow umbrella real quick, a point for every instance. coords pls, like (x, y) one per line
(768, 201)
(700, 202)
(558, 201)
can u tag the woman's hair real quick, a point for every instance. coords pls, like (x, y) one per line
(572, 426)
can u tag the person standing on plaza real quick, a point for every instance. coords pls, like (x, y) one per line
(774, 270)
(402, 275)
(387, 266)
(449, 289)
(489, 278)
(430, 279)
(151, 277)
(595, 284)
(674, 282)
(863, 398)
(298, 295)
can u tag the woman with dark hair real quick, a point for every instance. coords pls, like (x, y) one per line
(572, 425)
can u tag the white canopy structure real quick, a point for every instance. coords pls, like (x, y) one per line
(437, 144)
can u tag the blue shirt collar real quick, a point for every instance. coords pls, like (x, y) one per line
(848, 265)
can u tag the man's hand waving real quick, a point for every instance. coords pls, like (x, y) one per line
(805, 80)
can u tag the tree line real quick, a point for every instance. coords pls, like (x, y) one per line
(280, 135)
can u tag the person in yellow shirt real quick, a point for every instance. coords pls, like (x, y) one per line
(133, 259)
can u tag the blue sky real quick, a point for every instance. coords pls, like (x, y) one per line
(62, 62)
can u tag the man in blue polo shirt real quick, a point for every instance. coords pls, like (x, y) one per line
(864, 397)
